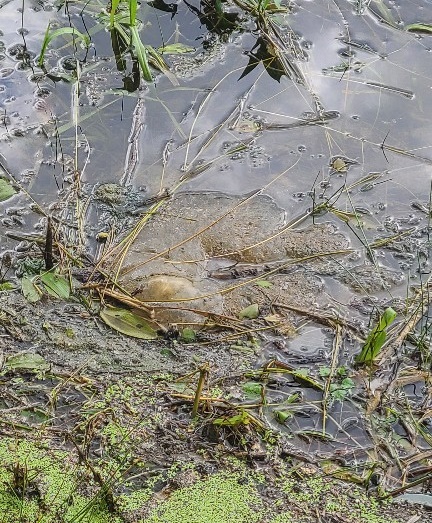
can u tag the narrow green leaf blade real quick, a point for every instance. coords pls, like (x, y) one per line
(49, 36)
(419, 28)
(114, 7)
(376, 338)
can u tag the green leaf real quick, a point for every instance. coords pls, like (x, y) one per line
(233, 421)
(6, 286)
(252, 389)
(282, 415)
(26, 361)
(114, 6)
(176, 49)
(30, 291)
(250, 312)
(6, 190)
(188, 335)
(339, 391)
(128, 323)
(140, 53)
(133, 6)
(302, 376)
(50, 35)
(341, 371)
(324, 372)
(56, 285)
(264, 284)
(376, 338)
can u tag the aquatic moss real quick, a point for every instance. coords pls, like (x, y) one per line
(333, 498)
(220, 499)
(135, 500)
(285, 517)
(42, 486)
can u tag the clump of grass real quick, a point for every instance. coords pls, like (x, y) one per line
(122, 22)
(376, 338)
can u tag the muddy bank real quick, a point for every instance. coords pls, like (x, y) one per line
(103, 406)
(71, 338)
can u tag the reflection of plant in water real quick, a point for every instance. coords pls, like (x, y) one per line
(216, 18)
(122, 22)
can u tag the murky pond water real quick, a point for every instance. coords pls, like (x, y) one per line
(307, 181)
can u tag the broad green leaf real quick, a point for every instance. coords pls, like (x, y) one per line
(176, 49)
(188, 335)
(252, 389)
(419, 28)
(324, 372)
(376, 338)
(341, 371)
(6, 190)
(56, 285)
(6, 286)
(250, 312)
(30, 291)
(128, 323)
(26, 361)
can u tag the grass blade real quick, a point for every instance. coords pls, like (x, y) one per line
(376, 338)
(114, 7)
(49, 36)
(141, 53)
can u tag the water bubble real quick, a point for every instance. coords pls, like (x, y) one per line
(43, 92)
(20, 52)
(299, 196)
(68, 63)
(36, 77)
(7, 71)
